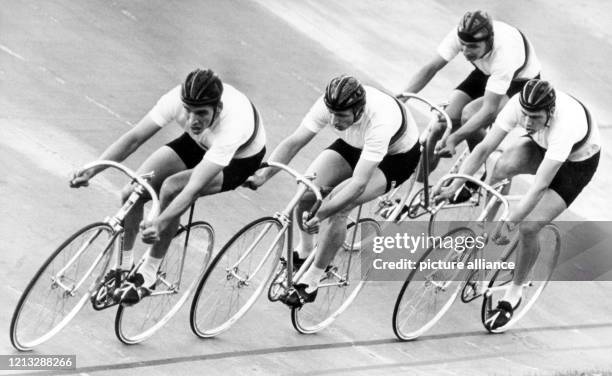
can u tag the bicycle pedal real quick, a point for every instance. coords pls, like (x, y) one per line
(102, 299)
(471, 292)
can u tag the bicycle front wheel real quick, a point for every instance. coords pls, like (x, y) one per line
(549, 243)
(62, 286)
(427, 294)
(185, 262)
(236, 277)
(343, 279)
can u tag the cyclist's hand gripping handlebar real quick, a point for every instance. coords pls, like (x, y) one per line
(154, 212)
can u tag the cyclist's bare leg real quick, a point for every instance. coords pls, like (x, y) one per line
(469, 110)
(330, 169)
(522, 157)
(171, 187)
(163, 162)
(547, 209)
(333, 231)
(458, 100)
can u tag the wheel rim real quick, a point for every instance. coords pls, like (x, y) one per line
(45, 307)
(549, 241)
(222, 298)
(136, 323)
(426, 296)
(334, 296)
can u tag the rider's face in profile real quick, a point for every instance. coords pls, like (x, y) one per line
(533, 121)
(473, 50)
(341, 120)
(199, 118)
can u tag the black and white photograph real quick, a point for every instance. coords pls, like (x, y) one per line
(305, 187)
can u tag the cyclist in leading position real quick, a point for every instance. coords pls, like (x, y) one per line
(561, 146)
(504, 60)
(222, 145)
(376, 148)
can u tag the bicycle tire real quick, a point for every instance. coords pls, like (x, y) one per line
(41, 328)
(473, 288)
(136, 323)
(429, 287)
(207, 296)
(315, 316)
(539, 277)
(278, 285)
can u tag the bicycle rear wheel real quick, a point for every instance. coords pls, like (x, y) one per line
(62, 286)
(184, 263)
(427, 294)
(343, 280)
(549, 242)
(235, 279)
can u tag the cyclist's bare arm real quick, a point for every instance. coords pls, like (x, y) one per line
(120, 149)
(283, 153)
(479, 155)
(202, 175)
(343, 195)
(482, 118)
(543, 177)
(425, 74)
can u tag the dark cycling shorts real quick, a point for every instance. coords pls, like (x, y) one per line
(572, 177)
(234, 174)
(396, 167)
(476, 82)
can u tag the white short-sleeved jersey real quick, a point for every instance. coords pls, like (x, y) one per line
(381, 119)
(566, 128)
(233, 127)
(508, 60)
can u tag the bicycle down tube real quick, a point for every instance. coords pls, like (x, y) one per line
(284, 216)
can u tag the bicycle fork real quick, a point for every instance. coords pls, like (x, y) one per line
(57, 279)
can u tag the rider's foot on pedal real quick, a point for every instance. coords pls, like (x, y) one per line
(501, 316)
(114, 276)
(134, 290)
(299, 296)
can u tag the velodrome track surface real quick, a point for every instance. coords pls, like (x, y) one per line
(76, 75)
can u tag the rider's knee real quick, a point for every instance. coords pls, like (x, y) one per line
(342, 214)
(170, 189)
(505, 168)
(127, 191)
(466, 114)
(308, 198)
(529, 229)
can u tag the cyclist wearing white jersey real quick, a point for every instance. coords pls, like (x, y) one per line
(376, 148)
(561, 146)
(503, 59)
(222, 145)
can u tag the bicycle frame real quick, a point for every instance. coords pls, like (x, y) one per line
(114, 222)
(484, 215)
(389, 209)
(285, 217)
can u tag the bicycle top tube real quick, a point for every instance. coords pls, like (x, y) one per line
(300, 178)
(154, 212)
(480, 183)
(433, 107)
